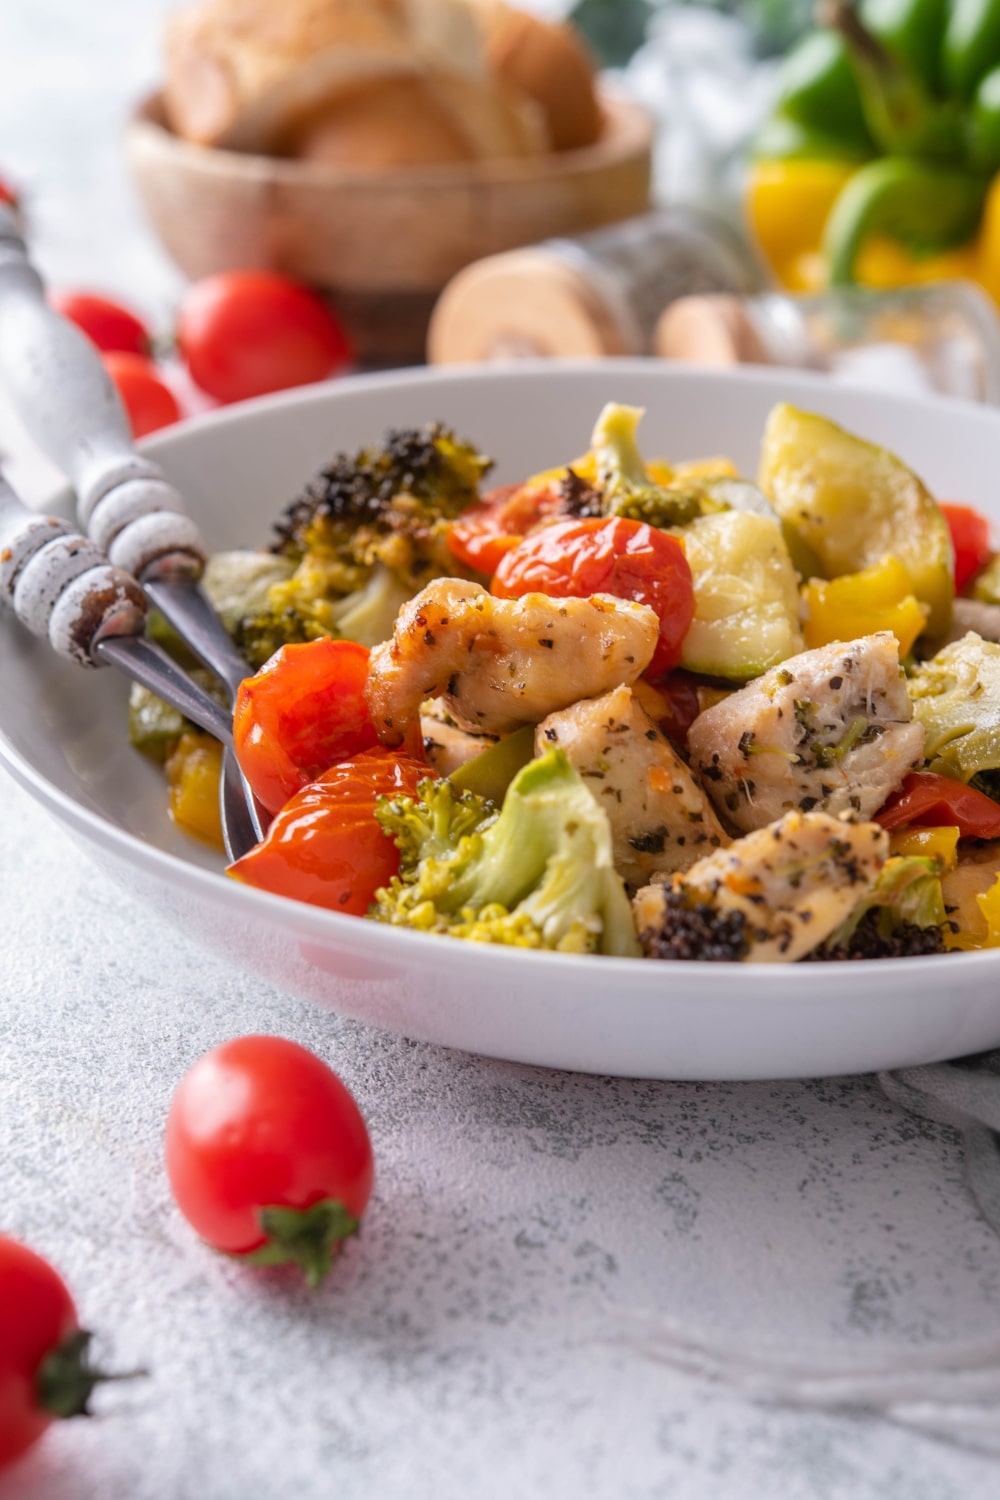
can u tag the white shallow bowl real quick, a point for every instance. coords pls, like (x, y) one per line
(63, 736)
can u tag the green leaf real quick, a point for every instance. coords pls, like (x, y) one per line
(307, 1237)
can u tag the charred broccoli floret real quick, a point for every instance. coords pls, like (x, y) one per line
(901, 916)
(367, 532)
(695, 929)
(388, 505)
(538, 873)
(906, 940)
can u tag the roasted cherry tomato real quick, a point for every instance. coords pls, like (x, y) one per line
(268, 1155)
(678, 705)
(970, 540)
(300, 714)
(611, 555)
(325, 846)
(149, 402)
(107, 324)
(482, 536)
(44, 1373)
(244, 333)
(939, 801)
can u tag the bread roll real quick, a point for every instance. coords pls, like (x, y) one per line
(252, 74)
(551, 65)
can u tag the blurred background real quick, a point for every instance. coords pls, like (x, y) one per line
(655, 151)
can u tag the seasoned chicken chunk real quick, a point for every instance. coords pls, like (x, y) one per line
(445, 745)
(502, 663)
(830, 729)
(661, 820)
(771, 897)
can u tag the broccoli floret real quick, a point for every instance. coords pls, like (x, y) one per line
(695, 929)
(366, 533)
(388, 505)
(955, 696)
(536, 874)
(626, 485)
(902, 915)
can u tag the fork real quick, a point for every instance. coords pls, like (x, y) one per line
(125, 503)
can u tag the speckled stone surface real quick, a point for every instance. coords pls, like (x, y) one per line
(469, 1343)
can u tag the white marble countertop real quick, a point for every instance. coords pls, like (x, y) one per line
(470, 1342)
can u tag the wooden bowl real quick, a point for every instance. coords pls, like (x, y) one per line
(382, 246)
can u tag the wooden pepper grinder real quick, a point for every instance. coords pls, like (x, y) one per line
(598, 294)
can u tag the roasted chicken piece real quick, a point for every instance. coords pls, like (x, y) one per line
(771, 897)
(661, 819)
(445, 745)
(830, 730)
(501, 663)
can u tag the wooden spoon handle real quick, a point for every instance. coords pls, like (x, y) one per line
(63, 394)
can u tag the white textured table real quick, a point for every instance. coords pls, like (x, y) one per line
(470, 1342)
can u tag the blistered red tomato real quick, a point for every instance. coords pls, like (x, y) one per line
(268, 1155)
(484, 533)
(110, 325)
(245, 333)
(324, 846)
(970, 540)
(149, 402)
(300, 714)
(43, 1366)
(612, 555)
(933, 801)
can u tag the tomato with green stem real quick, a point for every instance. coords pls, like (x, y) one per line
(607, 555)
(268, 1155)
(45, 1372)
(324, 846)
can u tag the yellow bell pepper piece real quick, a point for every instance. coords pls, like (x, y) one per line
(857, 604)
(787, 206)
(989, 905)
(928, 843)
(193, 772)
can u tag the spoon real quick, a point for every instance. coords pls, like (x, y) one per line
(54, 377)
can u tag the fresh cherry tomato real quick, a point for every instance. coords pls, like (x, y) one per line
(482, 536)
(245, 333)
(612, 555)
(267, 1154)
(325, 846)
(970, 540)
(8, 193)
(933, 801)
(148, 401)
(303, 712)
(43, 1351)
(107, 324)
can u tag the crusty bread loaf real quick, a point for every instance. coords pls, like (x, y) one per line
(376, 83)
